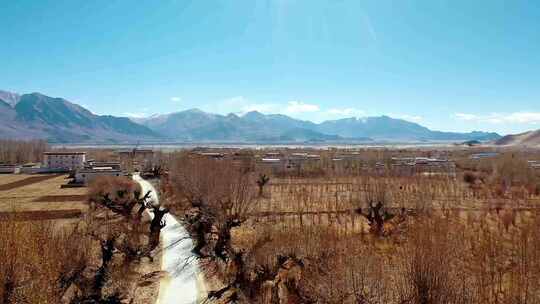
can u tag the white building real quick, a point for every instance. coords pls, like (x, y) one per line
(272, 165)
(484, 155)
(64, 160)
(423, 165)
(85, 176)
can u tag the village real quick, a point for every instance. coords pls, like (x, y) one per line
(83, 169)
(290, 191)
(55, 186)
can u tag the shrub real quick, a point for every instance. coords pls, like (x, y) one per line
(469, 178)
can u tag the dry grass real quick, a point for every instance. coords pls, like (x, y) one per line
(38, 261)
(41, 251)
(55, 244)
(41, 215)
(456, 243)
(343, 194)
(438, 259)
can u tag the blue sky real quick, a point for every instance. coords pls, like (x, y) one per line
(449, 65)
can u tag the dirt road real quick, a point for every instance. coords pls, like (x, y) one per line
(182, 285)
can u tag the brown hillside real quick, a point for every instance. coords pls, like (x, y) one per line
(531, 138)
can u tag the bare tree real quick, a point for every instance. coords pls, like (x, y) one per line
(261, 182)
(21, 151)
(376, 210)
(122, 196)
(217, 197)
(156, 225)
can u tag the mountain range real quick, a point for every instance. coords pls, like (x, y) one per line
(35, 115)
(39, 116)
(196, 125)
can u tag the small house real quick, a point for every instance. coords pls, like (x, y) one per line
(484, 155)
(86, 176)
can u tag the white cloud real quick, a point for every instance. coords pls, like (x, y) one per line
(242, 105)
(524, 117)
(301, 107)
(346, 112)
(414, 118)
(176, 99)
(502, 118)
(135, 115)
(292, 107)
(465, 116)
(266, 108)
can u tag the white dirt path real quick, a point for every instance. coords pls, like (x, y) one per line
(183, 283)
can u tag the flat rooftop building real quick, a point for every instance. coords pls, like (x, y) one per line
(85, 176)
(64, 160)
(484, 155)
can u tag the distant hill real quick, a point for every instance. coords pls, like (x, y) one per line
(531, 139)
(384, 128)
(197, 125)
(58, 120)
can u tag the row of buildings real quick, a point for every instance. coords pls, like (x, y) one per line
(277, 162)
(423, 165)
(288, 161)
(482, 155)
(53, 162)
(534, 164)
(85, 170)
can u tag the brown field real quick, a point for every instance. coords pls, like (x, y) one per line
(10, 178)
(25, 181)
(332, 202)
(41, 215)
(345, 194)
(61, 198)
(31, 194)
(454, 245)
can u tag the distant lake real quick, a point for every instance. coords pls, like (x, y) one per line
(255, 146)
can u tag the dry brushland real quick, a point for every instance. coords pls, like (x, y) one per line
(76, 245)
(363, 232)
(362, 236)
